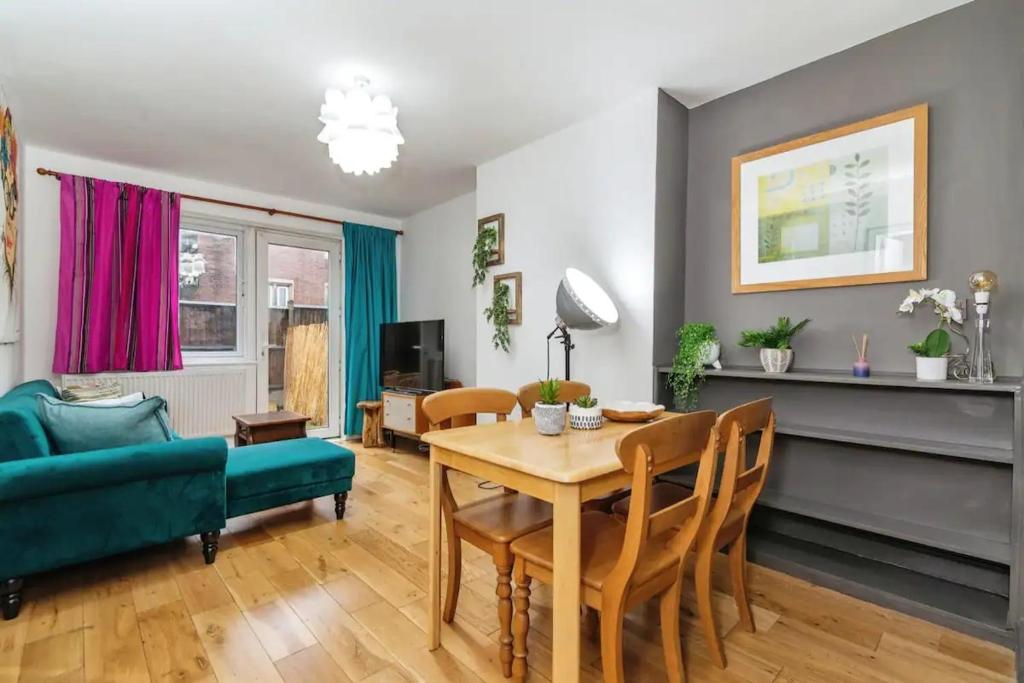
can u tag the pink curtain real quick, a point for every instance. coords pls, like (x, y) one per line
(117, 306)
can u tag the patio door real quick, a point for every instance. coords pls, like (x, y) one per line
(298, 304)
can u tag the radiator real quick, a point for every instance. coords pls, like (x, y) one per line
(200, 400)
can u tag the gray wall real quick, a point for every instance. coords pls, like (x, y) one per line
(669, 224)
(967, 64)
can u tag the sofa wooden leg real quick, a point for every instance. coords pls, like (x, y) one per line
(11, 592)
(211, 540)
(339, 504)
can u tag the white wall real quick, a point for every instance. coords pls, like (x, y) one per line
(582, 197)
(40, 236)
(436, 273)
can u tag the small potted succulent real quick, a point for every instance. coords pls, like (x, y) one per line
(774, 343)
(932, 362)
(584, 413)
(549, 413)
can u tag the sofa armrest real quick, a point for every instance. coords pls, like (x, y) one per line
(55, 474)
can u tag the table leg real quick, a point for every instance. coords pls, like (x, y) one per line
(434, 587)
(566, 611)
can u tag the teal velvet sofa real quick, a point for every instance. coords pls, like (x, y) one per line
(61, 509)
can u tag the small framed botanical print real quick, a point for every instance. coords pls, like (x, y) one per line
(514, 281)
(497, 223)
(847, 206)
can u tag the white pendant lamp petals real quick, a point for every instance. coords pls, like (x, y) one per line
(361, 133)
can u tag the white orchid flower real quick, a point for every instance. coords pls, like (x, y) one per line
(956, 315)
(907, 306)
(945, 298)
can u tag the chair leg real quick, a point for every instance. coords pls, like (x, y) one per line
(702, 579)
(340, 499)
(611, 642)
(211, 541)
(521, 622)
(451, 596)
(10, 589)
(504, 593)
(738, 574)
(670, 638)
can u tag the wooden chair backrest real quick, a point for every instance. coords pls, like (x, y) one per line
(741, 485)
(444, 406)
(568, 392)
(658, 447)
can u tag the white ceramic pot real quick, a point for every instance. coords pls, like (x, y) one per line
(550, 420)
(585, 418)
(932, 369)
(712, 352)
(776, 360)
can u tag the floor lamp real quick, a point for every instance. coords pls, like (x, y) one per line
(580, 304)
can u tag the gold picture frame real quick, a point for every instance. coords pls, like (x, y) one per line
(814, 212)
(497, 221)
(515, 299)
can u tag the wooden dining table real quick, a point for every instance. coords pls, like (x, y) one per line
(565, 470)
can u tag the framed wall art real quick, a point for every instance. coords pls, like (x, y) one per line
(846, 206)
(497, 222)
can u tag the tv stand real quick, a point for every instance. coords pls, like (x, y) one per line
(403, 411)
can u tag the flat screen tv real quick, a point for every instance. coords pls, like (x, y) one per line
(412, 356)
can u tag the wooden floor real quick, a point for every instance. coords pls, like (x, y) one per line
(296, 596)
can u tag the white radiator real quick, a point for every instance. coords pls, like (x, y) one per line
(200, 399)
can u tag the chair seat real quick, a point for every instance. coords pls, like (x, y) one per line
(601, 537)
(666, 493)
(506, 517)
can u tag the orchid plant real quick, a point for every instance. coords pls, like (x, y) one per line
(943, 303)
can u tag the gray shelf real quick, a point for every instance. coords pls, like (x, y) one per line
(957, 450)
(879, 379)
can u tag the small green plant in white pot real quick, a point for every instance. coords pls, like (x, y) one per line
(774, 343)
(932, 353)
(549, 413)
(584, 413)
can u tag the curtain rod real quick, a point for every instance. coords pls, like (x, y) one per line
(237, 205)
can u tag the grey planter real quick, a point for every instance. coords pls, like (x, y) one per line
(550, 420)
(776, 360)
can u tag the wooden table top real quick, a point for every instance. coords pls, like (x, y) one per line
(266, 419)
(572, 457)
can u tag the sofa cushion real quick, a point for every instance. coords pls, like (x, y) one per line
(21, 433)
(280, 465)
(77, 427)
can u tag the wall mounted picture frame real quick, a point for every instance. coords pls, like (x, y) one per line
(846, 206)
(496, 221)
(515, 296)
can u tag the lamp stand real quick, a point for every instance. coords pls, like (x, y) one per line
(565, 338)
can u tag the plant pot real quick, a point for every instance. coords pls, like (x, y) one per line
(711, 353)
(549, 419)
(585, 418)
(932, 369)
(776, 360)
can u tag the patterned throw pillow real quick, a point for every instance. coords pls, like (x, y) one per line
(90, 392)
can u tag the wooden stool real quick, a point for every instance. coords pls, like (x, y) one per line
(373, 432)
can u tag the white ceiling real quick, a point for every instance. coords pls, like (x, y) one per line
(229, 90)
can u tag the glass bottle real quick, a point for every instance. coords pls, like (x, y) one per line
(981, 369)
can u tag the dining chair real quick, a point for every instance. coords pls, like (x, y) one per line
(568, 392)
(726, 523)
(625, 563)
(491, 524)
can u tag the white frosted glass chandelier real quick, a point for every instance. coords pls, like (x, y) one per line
(361, 133)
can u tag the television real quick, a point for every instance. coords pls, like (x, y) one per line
(412, 356)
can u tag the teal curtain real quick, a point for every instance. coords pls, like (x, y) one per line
(371, 298)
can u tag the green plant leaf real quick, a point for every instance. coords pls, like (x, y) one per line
(586, 402)
(485, 242)
(935, 345)
(497, 314)
(687, 369)
(549, 390)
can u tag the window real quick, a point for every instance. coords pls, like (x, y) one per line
(208, 291)
(280, 293)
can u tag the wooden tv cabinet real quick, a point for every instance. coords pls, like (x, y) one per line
(403, 413)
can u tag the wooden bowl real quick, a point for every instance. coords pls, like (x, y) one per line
(626, 415)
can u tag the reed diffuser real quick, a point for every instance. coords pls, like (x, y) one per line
(860, 366)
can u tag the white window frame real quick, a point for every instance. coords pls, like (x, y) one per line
(242, 339)
(273, 283)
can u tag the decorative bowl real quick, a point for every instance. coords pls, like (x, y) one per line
(633, 411)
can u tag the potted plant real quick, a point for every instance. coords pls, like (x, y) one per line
(774, 343)
(584, 413)
(497, 313)
(932, 362)
(698, 348)
(484, 245)
(549, 413)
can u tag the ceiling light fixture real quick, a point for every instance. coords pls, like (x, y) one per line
(361, 133)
